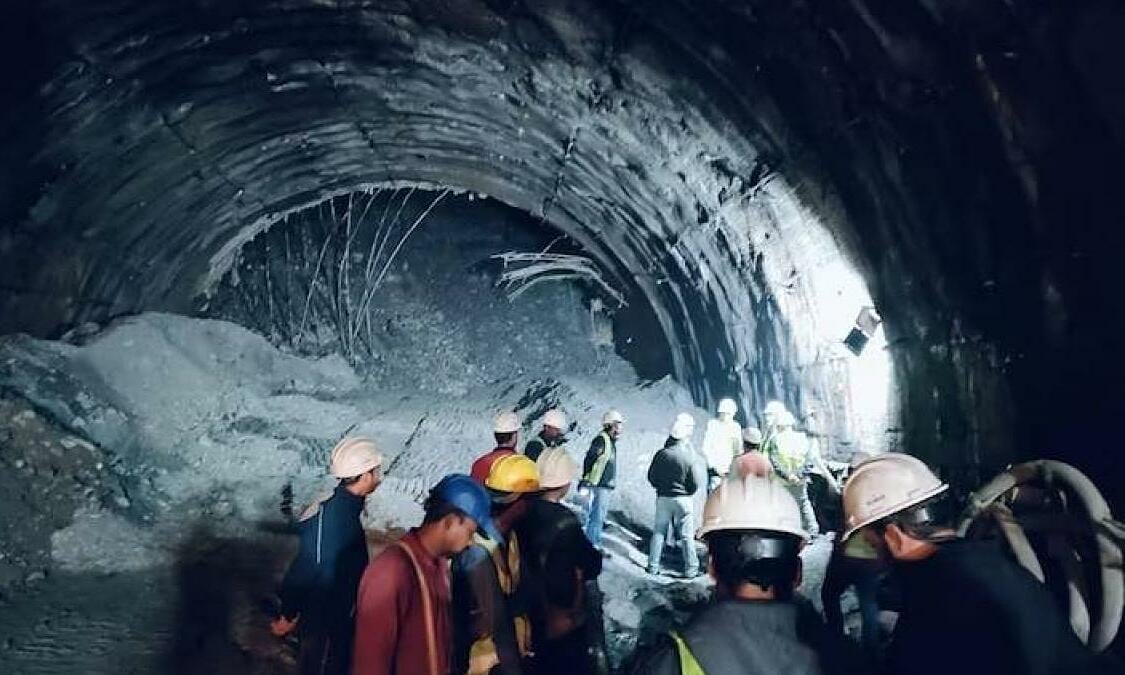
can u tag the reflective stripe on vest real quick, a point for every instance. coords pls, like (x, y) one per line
(596, 471)
(688, 664)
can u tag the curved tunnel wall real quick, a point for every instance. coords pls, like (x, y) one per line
(949, 152)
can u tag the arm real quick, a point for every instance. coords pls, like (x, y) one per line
(489, 615)
(819, 466)
(384, 594)
(690, 484)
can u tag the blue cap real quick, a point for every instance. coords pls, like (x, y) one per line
(469, 497)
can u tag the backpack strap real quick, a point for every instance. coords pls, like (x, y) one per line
(427, 609)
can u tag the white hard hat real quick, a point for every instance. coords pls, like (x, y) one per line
(885, 485)
(353, 457)
(785, 419)
(752, 503)
(774, 408)
(728, 406)
(506, 423)
(612, 416)
(556, 468)
(682, 428)
(752, 435)
(685, 418)
(554, 418)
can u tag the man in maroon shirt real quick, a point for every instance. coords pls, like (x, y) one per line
(403, 608)
(506, 431)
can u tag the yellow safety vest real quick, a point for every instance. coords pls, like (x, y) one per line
(482, 654)
(596, 471)
(688, 664)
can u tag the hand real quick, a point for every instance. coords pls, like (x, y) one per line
(280, 627)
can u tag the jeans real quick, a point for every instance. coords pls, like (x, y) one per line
(677, 513)
(800, 492)
(864, 575)
(595, 514)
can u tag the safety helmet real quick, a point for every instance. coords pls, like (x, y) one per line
(513, 474)
(728, 406)
(774, 408)
(752, 503)
(612, 417)
(885, 485)
(506, 423)
(556, 468)
(353, 457)
(752, 436)
(785, 419)
(468, 496)
(555, 418)
(682, 427)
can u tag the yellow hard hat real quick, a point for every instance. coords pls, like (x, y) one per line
(885, 485)
(513, 474)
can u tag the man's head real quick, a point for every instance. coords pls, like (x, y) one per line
(358, 465)
(752, 526)
(509, 480)
(751, 439)
(682, 427)
(554, 423)
(612, 422)
(727, 409)
(557, 470)
(505, 429)
(770, 413)
(456, 507)
(897, 503)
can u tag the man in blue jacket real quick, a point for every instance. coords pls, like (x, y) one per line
(318, 593)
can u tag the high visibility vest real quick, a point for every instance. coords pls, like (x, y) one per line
(688, 664)
(482, 655)
(596, 471)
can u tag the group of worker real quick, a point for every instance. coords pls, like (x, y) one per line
(499, 577)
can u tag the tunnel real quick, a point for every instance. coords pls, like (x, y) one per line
(233, 231)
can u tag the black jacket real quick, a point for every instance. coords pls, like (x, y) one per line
(537, 445)
(754, 638)
(600, 466)
(970, 610)
(322, 582)
(672, 471)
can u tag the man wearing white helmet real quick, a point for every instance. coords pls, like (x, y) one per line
(967, 607)
(319, 590)
(757, 625)
(599, 474)
(506, 432)
(722, 442)
(558, 560)
(794, 458)
(672, 474)
(551, 436)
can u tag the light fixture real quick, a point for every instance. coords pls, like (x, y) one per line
(865, 324)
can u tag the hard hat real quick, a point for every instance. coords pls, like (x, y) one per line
(752, 503)
(785, 419)
(354, 457)
(885, 485)
(468, 496)
(506, 423)
(682, 428)
(728, 406)
(774, 408)
(752, 435)
(483, 464)
(685, 418)
(555, 418)
(556, 468)
(611, 417)
(513, 474)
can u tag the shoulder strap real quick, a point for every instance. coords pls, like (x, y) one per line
(431, 639)
(688, 664)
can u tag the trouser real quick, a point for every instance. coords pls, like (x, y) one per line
(800, 492)
(864, 575)
(596, 512)
(674, 512)
(324, 652)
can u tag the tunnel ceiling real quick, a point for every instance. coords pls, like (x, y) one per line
(960, 155)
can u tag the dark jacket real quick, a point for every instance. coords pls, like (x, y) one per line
(969, 610)
(537, 445)
(672, 471)
(482, 608)
(600, 467)
(553, 547)
(322, 581)
(753, 638)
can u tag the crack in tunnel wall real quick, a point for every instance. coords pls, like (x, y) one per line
(154, 136)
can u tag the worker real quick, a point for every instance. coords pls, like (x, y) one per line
(770, 414)
(599, 474)
(491, 626)
(751, 461)
(558, 561)
(795, 459)
(672, 474)
(319, 589)
(722, 442)
(967, 607)
(855, 563)
(552, 435)
(403, 607)
(506, 432)
(757, 624)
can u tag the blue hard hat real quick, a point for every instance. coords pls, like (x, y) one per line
(469, 497)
